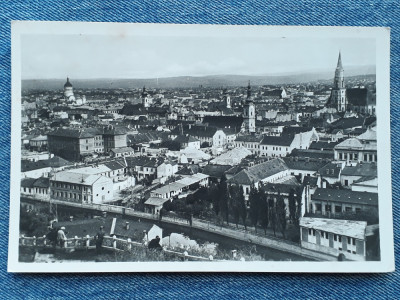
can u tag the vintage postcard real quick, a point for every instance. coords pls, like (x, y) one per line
(191, 148)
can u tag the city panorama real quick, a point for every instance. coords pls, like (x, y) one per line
(200, 168)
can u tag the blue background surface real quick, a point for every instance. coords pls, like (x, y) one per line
(195, 286)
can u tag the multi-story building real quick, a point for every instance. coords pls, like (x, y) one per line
(269, 171)
(81, 188)
(362, 148)
(331, 202)
(114, 137)
(71, 144)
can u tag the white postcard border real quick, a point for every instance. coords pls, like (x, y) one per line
(382, 36)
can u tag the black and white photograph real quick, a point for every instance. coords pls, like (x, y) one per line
(151, 147)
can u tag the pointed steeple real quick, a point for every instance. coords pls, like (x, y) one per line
(339, 62)
(248, 90)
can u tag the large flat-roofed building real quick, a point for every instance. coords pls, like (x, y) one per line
(334, 237)
(81, 187)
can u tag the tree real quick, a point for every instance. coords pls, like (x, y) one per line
(263, 209)
(205, 145)
(281, 214)
(254, 199)
(233, 194)
(292, 206)
(272, 214)
(213, 196)
(33, 223)
(171, 145)
(242, 207)
(298, 206)
(223, 201)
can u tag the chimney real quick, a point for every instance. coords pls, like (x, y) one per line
(71, 218)
(127, 225)
(324, 184)
(104, 214)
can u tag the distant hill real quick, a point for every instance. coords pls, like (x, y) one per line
(194, 81)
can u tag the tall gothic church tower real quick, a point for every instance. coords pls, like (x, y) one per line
(338, 94)
(249, 113)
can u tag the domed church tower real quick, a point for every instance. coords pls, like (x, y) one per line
(68, 91)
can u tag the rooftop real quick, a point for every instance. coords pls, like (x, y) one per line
(361, 169)
(345, 196)
(354, 229)
(77, 178)
(259, 172)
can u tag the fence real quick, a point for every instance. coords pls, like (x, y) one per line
(109, 242)
(238, 234)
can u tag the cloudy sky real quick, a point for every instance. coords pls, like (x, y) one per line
(101, 56)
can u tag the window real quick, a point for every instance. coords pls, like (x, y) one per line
(365, 157)
(313, 232)
(335, 237)
(353, 241)
(349, 240)
(338, 209)
(309, 231)
(348, 209)
(340, 240)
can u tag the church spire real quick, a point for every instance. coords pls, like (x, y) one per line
(248, 90)
(339, 62)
